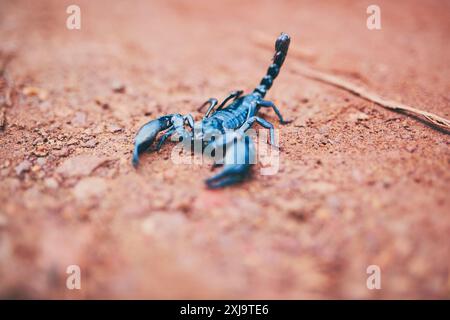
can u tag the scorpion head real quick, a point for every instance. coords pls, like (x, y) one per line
(207, 128)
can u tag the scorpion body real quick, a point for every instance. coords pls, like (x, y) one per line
(230, 122)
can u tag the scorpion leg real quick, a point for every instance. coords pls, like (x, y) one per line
(239, 156)
(266, 124)
(233, 95)
(270, 104)
(190, 120)
(178, 127)
(164, 137)
(212, 103)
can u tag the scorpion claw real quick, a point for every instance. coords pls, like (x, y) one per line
(135, 159)
(145, 137)
(239, 156)
(230, 175)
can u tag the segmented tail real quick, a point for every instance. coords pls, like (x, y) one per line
(281, 48)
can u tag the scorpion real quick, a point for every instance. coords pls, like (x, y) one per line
(229, 121)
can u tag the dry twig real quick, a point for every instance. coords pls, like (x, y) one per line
(308, 72)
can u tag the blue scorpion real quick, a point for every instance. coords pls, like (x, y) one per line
(230, 122)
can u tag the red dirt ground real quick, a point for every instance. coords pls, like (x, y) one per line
(358, 185)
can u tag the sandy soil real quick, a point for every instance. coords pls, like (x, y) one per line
(358, 185)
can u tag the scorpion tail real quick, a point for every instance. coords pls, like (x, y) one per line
(281, 49)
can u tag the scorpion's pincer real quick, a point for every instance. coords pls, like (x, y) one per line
(239, 157)
(145, 137)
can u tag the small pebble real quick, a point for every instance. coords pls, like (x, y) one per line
(114, 128)
(35, 91)
(358, 116)
(79, 119)
(23, 167)
(64, 152)
(6, 164)
(40, 151)
(118, 87)
(51, 183)
(89, 144)
(411, 149)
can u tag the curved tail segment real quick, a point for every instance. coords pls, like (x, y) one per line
(281, 49)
